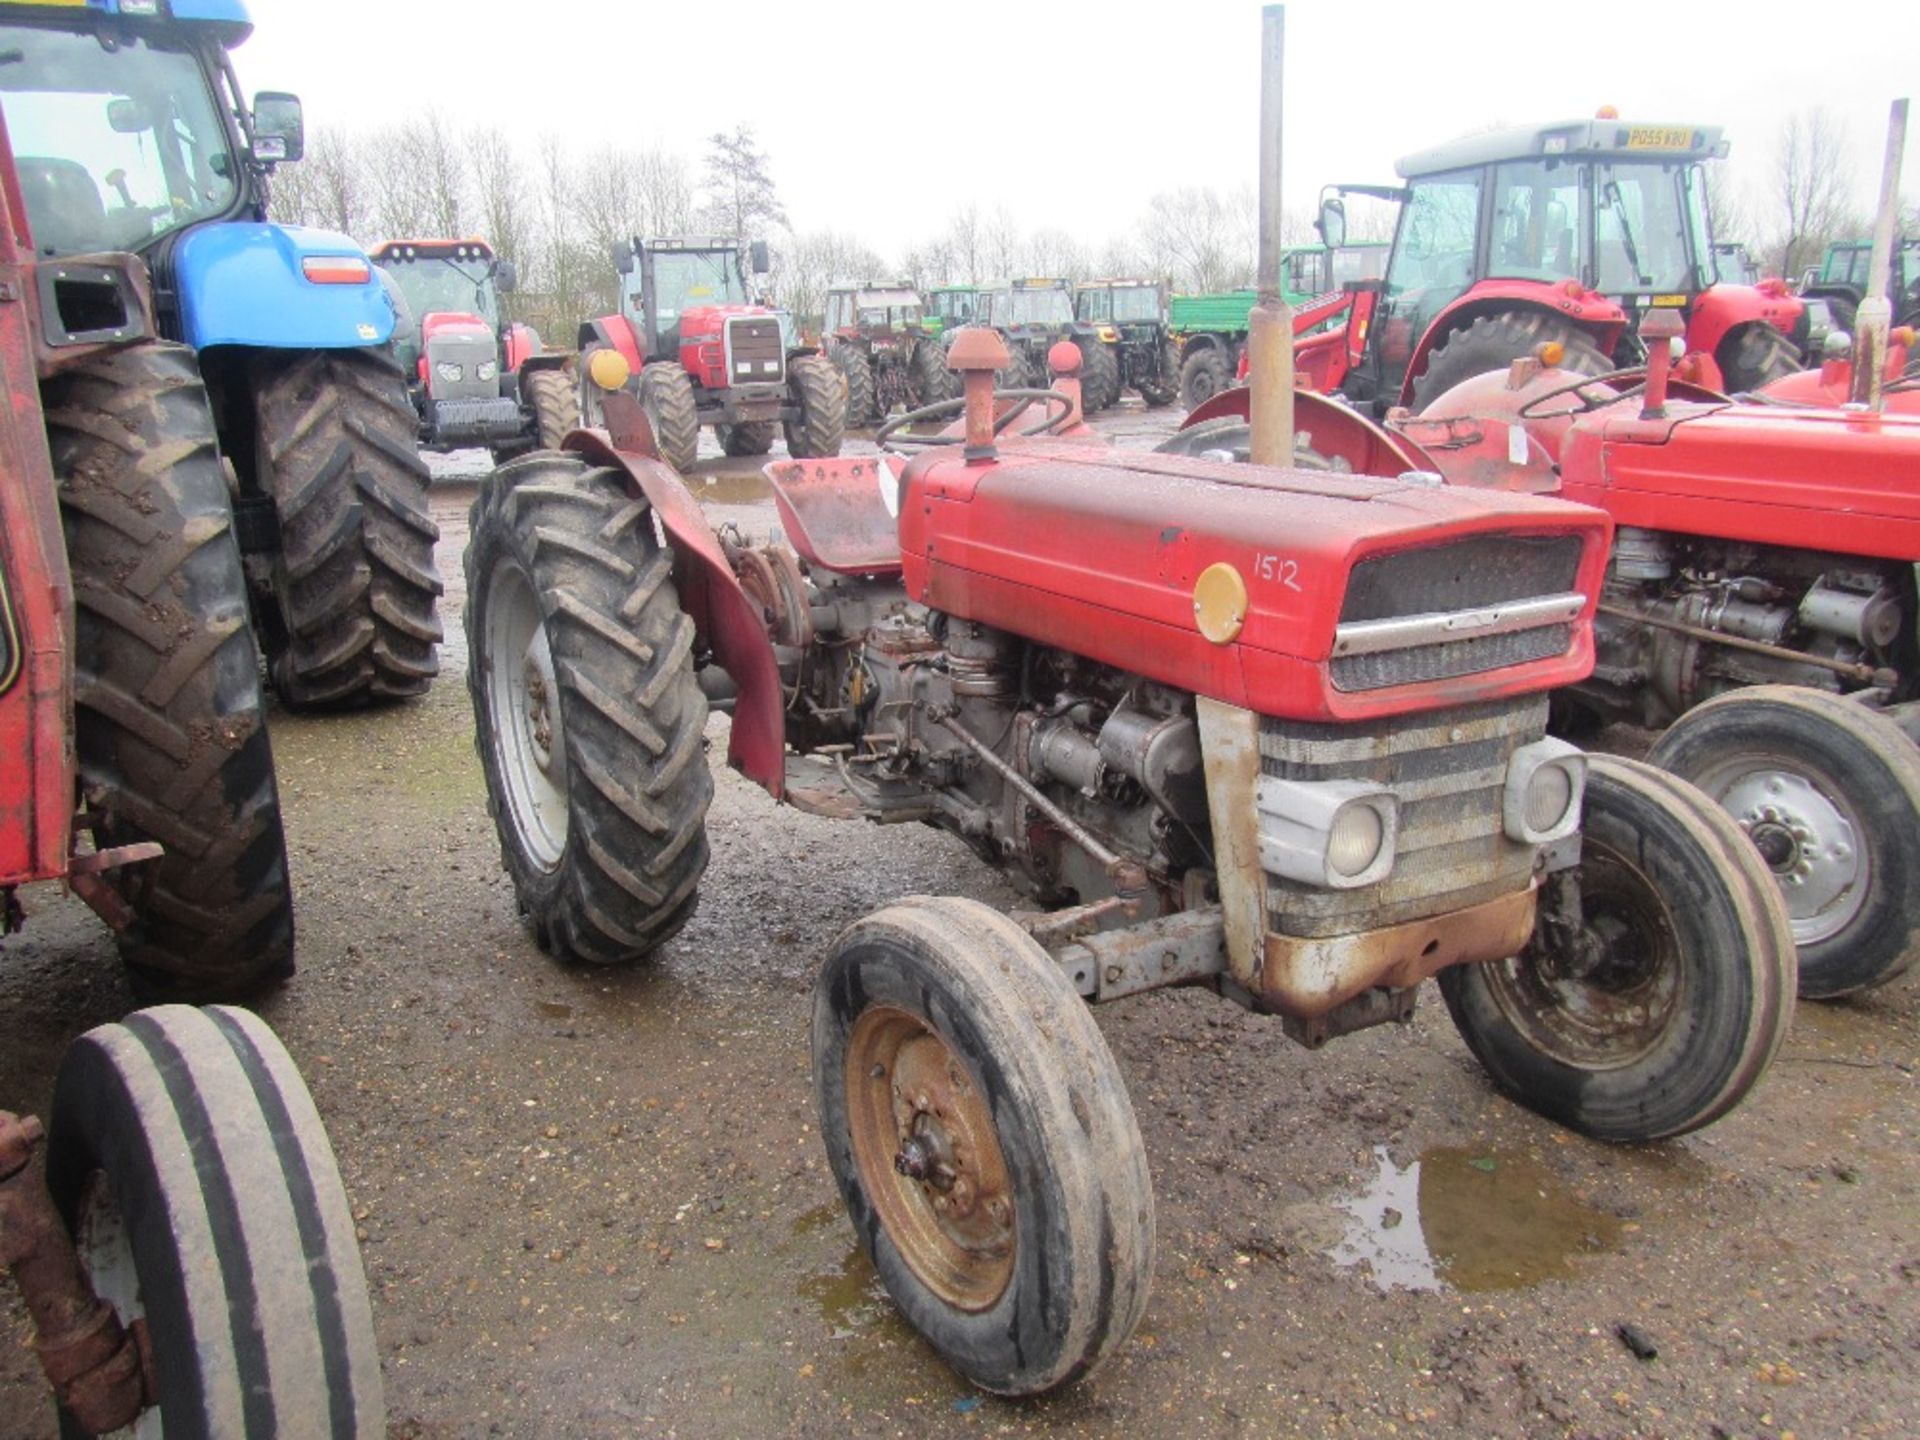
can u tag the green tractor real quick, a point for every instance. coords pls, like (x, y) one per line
(1032, 316)
(1841, 281)
(1129, 319)
(877, 335)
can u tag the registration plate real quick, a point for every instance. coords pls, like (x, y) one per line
(1659, 137)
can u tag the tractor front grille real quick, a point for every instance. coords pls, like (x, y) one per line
(1447, 770)
(755, 354)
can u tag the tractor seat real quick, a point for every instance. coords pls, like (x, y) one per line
(63, 205)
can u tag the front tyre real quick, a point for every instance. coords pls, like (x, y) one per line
(929, 376)
(1164, 387)
(1203, 375)
(589, 722)
(192, 1170)
(1493, 342)
(984, 1144)
(819, 400)
(857, 370)
(555, 402)
(666, 394)
(1755, 356)
(1099, 376)
(749, 437)
(1660, 978)
(1828, 793)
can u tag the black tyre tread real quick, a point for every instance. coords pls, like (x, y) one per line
(242, 1237)
(666, 393)
(1756, 355)
(820, 391)
(356, 583)
(1233, 435)
(1608, 1105)
(170, 729)
(1845, 313)
(750, 437)
(1099, 376)
(931, 380)
(633, 716)
(1164, 388)
(857, 370)
(555, 401)
(1493, 342)
(1010, 986)
(1880, 944)
(1207, 370)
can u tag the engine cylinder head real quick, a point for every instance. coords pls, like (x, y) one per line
(1642, 554)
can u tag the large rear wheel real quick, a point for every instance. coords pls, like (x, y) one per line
(857, 369)
(666, 394)
(1203, 375)
(555, 401)
(1099, 376)
(1756, 355)
(1162, 387)
(983, 1142)
(1493, 342)
(931, 380)
(819, 396)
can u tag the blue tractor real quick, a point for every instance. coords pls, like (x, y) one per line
(131, 136)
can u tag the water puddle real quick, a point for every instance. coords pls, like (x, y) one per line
(1469, 1221)
(554, 1010)
(731, 487)
(850, 1296)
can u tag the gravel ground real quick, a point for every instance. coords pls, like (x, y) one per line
(593, 1203)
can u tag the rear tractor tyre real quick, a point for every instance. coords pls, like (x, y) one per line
(857, 369)
(1203, 375)
(982, 1139)
(666, 394)
(169, 723)
(1662, 1007)
(1493, 342)
(589, 722)
(555, 401)
(928, 374)
(750, 437)
(1828, 792)
(819, 394)
(1757, 355)
(1099, 376)
(1230, 437)
(355, 580)
(1164, 388)
(187, 1160)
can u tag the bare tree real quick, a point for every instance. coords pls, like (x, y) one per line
(1003, 243)
(1728, 212)
(326, 189)
(1199, 237)
(1813, 181)
(665, 192)
(1054, 252)
(499, 191)
(805, 268)
(740, 192)
(966, 245)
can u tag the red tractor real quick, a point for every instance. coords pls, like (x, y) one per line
(476, 380)
(185, 1253)
(1565, 233)
(1279, 732)
(694, 347)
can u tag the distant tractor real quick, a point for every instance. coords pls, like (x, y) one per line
(1130, 321)
(696, 348)
(1565, 234)
(877, 336)
(475, 380)
(951, 306)
(1031, 316)
(1841, 281)
(131, 136)
(1733, 264)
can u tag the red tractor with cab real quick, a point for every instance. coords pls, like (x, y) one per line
(476, 378)
(1565, 233)
(694, 346)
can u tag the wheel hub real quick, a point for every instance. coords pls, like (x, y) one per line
(524, 717)
(538, 674)
(1807, 840)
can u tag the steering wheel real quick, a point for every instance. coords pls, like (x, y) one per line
(1583, 402)
(1058, 407)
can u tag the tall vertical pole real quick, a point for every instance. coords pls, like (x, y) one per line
(1270, 327)
(1876, 310)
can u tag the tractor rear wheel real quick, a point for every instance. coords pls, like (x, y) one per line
(819, 393)
(1162, 388)
(929, 376)
(1099, 376)
(1758, 355)
(983, 1142)
(1828, 792)
(590, 725)
(1845, 313)
(555, 401)
(1493, 342)
(1660, 977)
(355, 580)
(169, 725)
(1203, 375)
(750, 437)
(853, 363)
(666, 394)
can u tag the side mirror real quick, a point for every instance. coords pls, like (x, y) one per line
(279, 128)
(1332, 223)
(128, 117)
(505, 277)
(623, 256)
(758, 258)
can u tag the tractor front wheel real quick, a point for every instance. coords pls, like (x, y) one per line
(555, 402)
(982, 1139)
(750, 437)
(169, 725)
(1099, 376)
(819, 395)
(1659, 981)
(857, 369)
(1757, 355)
(666, 394)
(929, 376)
(589, 721)
(1493, 342)
(1828, 793)
(1162, 388)
(1203, 375)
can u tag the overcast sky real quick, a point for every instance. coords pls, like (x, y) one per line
(881, 118)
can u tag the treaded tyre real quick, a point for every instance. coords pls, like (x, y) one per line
(1493, 342)
(1203, 375)
(1828, 791)
(819, 393)
(1660, 1007)
(190, 1166)
(589, 723)
(555, 401)
(169, 726)
(983, 1141)
(1099, 376)
(1756, 355)
(928, 375)
(666, 394)
(355, 581)
(1163, 388)
(1231, 437)
(750, 437)
(858, 372)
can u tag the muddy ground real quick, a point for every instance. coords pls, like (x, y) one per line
(593, 1204)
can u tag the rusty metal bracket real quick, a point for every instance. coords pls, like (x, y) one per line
(1185, 949)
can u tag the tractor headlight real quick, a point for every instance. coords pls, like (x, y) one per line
(1107, 333)
(1545, 783)
(1333, 833)
(487, 370)
(450, 372)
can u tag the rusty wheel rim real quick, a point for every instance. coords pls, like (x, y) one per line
(1614, 1013)
(929, 1158)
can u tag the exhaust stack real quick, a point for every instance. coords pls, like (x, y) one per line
(1270, 326)
(1876, 309)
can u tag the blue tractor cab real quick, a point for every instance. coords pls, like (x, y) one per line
(131, 135)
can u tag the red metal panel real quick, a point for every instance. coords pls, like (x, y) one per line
(1720, 308)
(1586, 309)
(618, 331)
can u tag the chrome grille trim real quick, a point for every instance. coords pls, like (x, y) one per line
(1370, 637)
